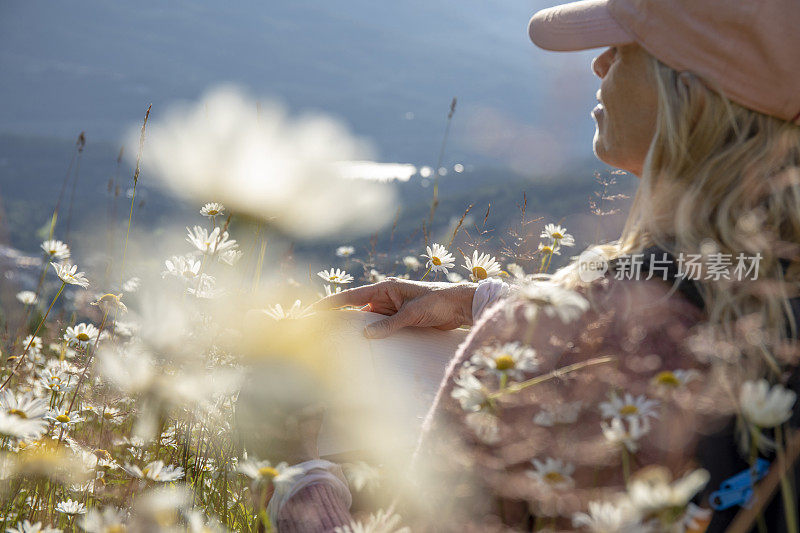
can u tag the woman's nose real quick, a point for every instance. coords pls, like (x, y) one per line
(601, 63)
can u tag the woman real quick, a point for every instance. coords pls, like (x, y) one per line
(700, 99)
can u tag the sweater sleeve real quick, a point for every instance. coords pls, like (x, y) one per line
(315, 508)
(639, 334)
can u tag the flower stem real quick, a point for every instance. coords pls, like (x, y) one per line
(516, 387)
(22, 357)
(426, 273)
(626, 464)
(133, 195)
(789, 500)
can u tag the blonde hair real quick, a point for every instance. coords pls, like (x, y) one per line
(720, 178)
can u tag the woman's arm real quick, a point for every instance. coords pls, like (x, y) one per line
(406, 303)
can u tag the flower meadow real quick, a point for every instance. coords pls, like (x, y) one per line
(156, 389)
(117, 417)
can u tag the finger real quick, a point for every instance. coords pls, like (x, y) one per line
(383, 328)
(357, 296)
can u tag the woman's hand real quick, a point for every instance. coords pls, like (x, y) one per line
(408, 303)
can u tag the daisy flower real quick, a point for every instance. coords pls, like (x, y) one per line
(345, 251)
(558, 234)
(54, 380)
(212, 209)
(56, 250)
(335, 276)
(380, 522)
(183, 267)
(36, 343)
(231, 257)
(553, 300)
(70, 507)
(210, 243)
(512, 359)
(276, 312)
(27, 297)
(81, 335)
(132, 285)
(454, 277)
(27, 527)
(375, 276)
(15, 427)
(205, 287)
(550, 249)
(552, 472)
(105, 521)
(25, 406)
(279, 475)
(111, 303)
(63, 420)
(675, 378)
(69, 274)
(653, 492)
(604, 517)
(111, 414)
(482, 266)
(439, 259)
(629, 407)
(411, 263)
(125, 329)
(766, 407)
(155, 471)
(617, 433)
(469, 391)
(332, 290)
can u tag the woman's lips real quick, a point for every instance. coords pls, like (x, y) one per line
(597, 112)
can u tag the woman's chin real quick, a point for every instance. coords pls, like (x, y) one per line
(599, 149)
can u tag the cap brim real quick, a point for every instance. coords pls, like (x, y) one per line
(577, 26)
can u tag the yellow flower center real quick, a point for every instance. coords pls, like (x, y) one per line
(108, 415)
(629, 409)
(479, 272)
(436, 261)
(268, 472)
(554, 477)
(504, 362)
(213, 212)
(668, 378)
(17, 412)
(83, 337)
(63, 418)
(557, 235)
(547, 249)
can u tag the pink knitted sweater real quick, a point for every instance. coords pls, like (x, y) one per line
(479, 470)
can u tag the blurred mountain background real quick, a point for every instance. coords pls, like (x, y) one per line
(387, 70)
